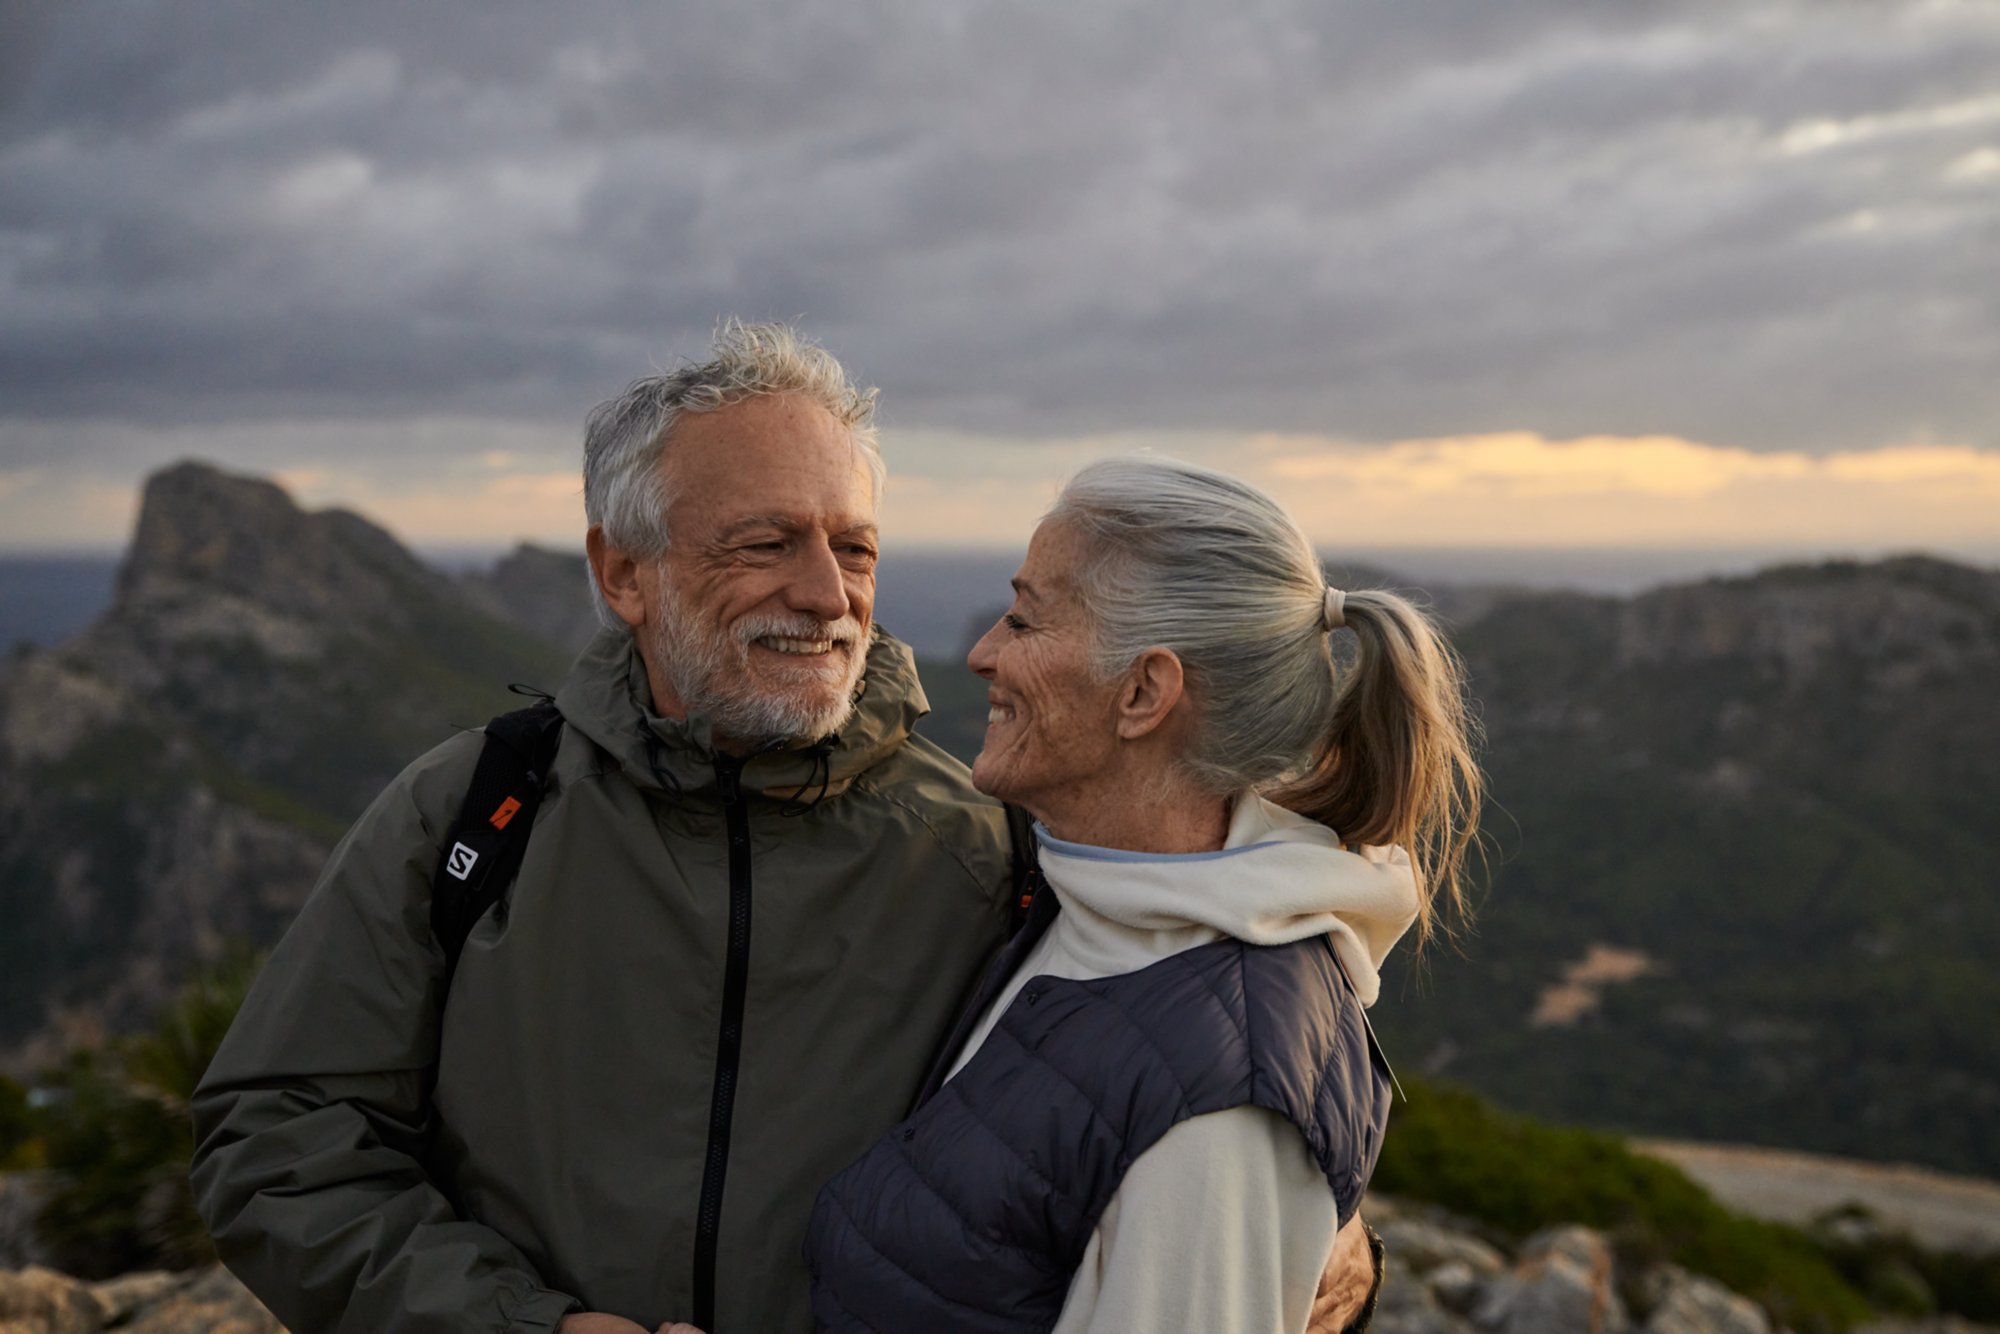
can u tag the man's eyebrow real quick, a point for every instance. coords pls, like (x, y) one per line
(754, 523)
(782, 523)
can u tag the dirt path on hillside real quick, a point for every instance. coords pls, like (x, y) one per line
(1943, 1212)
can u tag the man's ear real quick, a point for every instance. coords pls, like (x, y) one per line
(617, 576)
(1152, 687)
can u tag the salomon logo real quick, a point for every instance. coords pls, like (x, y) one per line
(461, 861)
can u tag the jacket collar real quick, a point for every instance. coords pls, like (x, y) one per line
(608, 699)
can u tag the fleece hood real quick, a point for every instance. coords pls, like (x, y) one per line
(1279, 877)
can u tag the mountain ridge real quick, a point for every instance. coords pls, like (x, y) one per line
(1764, 799)
(172, 776)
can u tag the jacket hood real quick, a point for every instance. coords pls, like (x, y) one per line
(1278, 877)
(609, 700)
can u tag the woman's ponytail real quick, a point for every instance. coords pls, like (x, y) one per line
(1396, 764)
(1199, 562)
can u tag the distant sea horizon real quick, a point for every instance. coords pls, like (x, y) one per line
(935, 598)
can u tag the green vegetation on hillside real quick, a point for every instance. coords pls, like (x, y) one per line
(19, 1147)
(1450, 1147)
(119, 1138)
(1514, 1174)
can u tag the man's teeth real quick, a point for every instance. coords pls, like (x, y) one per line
(806, 646)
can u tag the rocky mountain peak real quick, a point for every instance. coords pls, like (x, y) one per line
(204, 532)
(547, 592)
(1900, 621)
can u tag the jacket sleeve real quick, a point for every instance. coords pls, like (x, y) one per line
(311, 1122)
(1225, 1223)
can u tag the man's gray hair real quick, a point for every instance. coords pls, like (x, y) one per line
(625, 438)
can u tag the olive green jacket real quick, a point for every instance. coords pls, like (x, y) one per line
(371, 1158)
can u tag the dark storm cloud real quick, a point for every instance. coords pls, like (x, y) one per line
(1765, 224)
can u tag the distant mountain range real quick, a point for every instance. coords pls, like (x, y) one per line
(1748, 864)
(1744, 830)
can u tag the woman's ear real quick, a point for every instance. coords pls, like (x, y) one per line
(1151, 689)
(617, 576)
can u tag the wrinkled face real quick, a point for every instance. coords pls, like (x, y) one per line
(1051, 730)
(762, 604)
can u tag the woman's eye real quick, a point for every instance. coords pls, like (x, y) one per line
(1013, 622)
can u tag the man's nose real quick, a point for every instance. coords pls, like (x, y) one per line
(818, 586)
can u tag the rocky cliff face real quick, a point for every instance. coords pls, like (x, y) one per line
(545, 592)
(173, 776)
(1894, 624)
(221, 543)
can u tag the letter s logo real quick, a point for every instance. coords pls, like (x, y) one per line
(461, 860)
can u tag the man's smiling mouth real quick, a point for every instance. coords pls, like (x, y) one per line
(803, 647)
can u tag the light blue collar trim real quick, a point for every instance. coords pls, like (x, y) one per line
(1090, 852)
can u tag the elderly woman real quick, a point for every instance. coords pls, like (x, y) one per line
(1167, 1101)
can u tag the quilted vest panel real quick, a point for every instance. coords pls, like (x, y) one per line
(973, 1214)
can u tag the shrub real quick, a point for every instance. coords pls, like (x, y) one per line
(1516, 1175)
(18, 1146)
(121, 1139)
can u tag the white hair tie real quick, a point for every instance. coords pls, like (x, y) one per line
(1333, 611)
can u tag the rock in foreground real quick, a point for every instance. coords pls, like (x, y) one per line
(209, 1301)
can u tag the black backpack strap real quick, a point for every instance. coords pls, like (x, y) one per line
(483, 850)
(1026, 861)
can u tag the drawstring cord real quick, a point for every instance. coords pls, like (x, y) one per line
(820, 775)
(660, 774)
(821, 754)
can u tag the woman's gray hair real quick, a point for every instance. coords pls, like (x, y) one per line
(625, 438)
(1192, 560)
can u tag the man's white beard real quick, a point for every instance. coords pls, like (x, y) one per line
(710, 671)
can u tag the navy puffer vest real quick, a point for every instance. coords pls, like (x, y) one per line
(974, 1213)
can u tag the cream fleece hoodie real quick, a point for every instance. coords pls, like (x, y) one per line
(1226, 1222)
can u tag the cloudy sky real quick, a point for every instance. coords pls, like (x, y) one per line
(1481, 272)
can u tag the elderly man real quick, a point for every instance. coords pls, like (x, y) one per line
(752, 903)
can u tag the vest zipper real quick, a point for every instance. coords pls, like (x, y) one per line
(729, 1048)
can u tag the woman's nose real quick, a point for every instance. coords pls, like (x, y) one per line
(983, 655)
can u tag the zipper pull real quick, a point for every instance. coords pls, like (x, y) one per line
(729, 778)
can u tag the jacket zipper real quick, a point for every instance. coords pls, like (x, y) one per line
(729, 1049)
